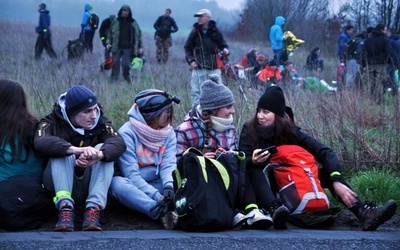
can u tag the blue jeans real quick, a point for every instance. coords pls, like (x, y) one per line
(123, 190)
(91, 187)
(122, 57)
(278, 53)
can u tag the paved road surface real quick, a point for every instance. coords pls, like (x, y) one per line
(234, 239)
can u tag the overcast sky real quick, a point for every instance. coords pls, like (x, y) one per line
(230, 4)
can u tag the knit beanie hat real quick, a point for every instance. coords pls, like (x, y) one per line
(273, 100)
(152, 102)
(79, 98)
(214, 94)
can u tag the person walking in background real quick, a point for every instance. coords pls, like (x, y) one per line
(377, 54)
(145, 182)
(209, 128)
(88, 31)
(277, 39)
(81, 145)
(394, 40)
(164, 26)
(272, 124)
(125, 40)
(44, 35)
(204, 44)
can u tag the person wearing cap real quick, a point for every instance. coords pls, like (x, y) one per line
(273, 124)
(144, 182)
(43, 40)
(125, 41)
(164, 26)
(88, 32)
(209, 128)
(81, 145)
(204, 43)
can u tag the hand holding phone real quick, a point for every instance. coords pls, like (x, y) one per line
(270, 149)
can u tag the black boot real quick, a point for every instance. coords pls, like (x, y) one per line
(280, 215)
(372, 216)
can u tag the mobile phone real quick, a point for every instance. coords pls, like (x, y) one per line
(271, 149)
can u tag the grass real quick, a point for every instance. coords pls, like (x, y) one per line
(362, 133)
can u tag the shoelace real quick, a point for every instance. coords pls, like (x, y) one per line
(66, 216)
(370, 205)
(92, 215)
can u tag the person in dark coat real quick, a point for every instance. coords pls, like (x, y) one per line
(43, 40)
(164, 26)
(273, 124)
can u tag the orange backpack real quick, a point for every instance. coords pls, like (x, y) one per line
(296, 175)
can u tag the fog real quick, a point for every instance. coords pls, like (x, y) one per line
(69, 12)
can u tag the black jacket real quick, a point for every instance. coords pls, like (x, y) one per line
(164, 26)
(378, 50)
(322, 153)
(202, 47)
(54, 136)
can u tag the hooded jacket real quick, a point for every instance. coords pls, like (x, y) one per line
(135, 36)
(55, 134)
(86, 16)
(164, 26)
(378, 50)
(44, 22)
(202, 47)
(142, 166)
(276, 33)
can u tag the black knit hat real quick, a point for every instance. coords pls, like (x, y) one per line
(273, 100)
(79, 98)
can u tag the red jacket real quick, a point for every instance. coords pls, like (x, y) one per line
(268, 73)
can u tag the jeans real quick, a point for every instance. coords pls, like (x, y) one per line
(278, 53)
(198, 77)
(91, 187)
(122, 57)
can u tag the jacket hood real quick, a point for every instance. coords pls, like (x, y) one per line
(377, 33)
(88, 7)
(279, 20)
(135, 113)
(61, 103)
(44, 11)
(125, 6)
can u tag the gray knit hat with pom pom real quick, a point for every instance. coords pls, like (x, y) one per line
(214, 94)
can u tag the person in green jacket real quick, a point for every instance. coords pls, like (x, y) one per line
(125, 41)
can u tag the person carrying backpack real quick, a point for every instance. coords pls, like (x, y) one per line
(273, 124)
(209, 128)
(89, 26)
(43, 40)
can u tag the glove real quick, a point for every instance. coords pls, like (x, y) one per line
(169, 193)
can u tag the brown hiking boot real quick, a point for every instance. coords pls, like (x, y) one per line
(372, 216)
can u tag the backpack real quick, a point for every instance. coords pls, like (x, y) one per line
(24, 203)
(354, 47)
(94, 21)
(206, 192)
(74, 48)
(296, 175)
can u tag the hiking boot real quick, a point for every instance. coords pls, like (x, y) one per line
(238, 220)
(91, 219)
(65, 220)
(169, 220)
(372, 216)
(256, 219)
(280, 215)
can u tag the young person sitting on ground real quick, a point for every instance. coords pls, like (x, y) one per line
(145, 183)
(209, 128)
(273, 124)
(81, 145)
